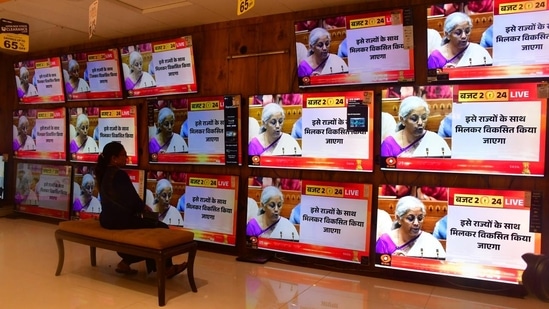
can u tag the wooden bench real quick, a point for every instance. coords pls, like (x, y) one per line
(158, 244)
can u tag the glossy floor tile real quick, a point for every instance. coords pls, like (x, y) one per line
(28, 259)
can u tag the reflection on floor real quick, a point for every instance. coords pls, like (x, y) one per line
(28, 258)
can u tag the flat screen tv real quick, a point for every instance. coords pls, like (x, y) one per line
(43, 189)
(202, 130)
(86, 201)
(91, 128)
(480, 129)
(159, 68)
(458, 232)
(322, 131)
(365, 48)
(488, 40)
(92, 75)
(326, 220)
(40, 134)
(204, 204)
(39, 81)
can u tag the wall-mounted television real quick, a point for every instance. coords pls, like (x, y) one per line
(43, 189)
(312, 131)
(481, 129)
(86, 201)
(459, 232)
(373, 47)
(39, 134)
(159, 68)
(488, 40)
(92, 75)
(39, 81)
(202, 130)
(204, 204)
(91, 128)
(326, 220)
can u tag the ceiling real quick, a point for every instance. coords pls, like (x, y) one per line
(61, 23)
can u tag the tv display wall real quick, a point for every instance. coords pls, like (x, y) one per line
(202, 130)
(39, 81)
(159, 68)
(91, 128)
(463, 232)
(326, 220)
(374, 47)
(43, 189)
(39, 134)
(505, 39)
(324, 131)
(204, 204)
(92, 75)
(481, 129)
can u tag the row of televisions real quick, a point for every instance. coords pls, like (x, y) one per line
(462, 232)
(479, 129)
(504, 39)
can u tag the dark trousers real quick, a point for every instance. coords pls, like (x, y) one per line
(143, 223)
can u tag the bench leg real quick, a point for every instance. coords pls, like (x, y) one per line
(93, 258)
(190, 268)
(161, 280)
(61, 255)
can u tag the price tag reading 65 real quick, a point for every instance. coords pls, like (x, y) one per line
(243, 6)
(15, 42)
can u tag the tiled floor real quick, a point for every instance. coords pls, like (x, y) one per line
(28, 258)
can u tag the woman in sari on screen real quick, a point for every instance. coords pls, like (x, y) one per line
(83, 143)
(86, 201)
(166, 213)
(21, 140)
(24, 87)
(411, 139)
(319, 61)
(73, 82)
(456, 50)
(136, 78)
(272, 141)
(165, 139)
(406, 238)
(269, 223)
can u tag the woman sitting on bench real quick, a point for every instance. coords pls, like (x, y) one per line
(122, 208)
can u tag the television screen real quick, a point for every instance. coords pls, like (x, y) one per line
(195, 130)
(91, 128)
(39, 134)
(461, 232)
(86, 201)
(488, 40)
(42, 189)
(375, 47)
(326, 220)
(92, 75)
(159, 68)
(312, 131)
(39, 81)
(200, 203)
(481, 129)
